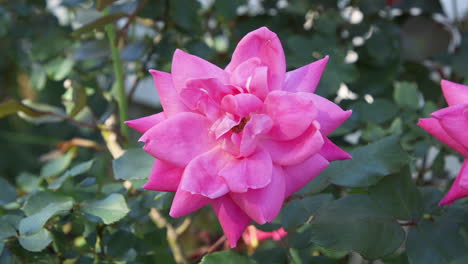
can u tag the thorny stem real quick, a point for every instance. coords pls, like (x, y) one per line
(119, 78)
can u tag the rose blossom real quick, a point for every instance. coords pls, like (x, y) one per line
(241, 139)
(450, 125)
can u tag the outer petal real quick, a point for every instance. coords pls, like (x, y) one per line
(330, 115)
(241, 104)
(433, 126)
(459, 188)
(232, 219)
(170, 100)
(454, 93)
(201, 176)
(298, 176)
(454, 120)
(292, 114)
(145, 123)
(306, 78)
(164, 177)
(179, 139)
(184, 203)
(263, 205)
(332, 152)
(295, 151)
(264, 44)
(253, 172)
(186, 66)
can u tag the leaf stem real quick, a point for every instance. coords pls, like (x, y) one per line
(119, 78)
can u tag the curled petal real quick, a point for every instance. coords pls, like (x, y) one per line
(201, 176)
(253, 172)
(179, 139)
(186, 67)
(232, 219)
(459, 187)
(454, 93)
(295, 151)
(184, 203)
(241, 74)
(258, 83)
(454, 120)
(263, 205)
(297, 176)
(259, 124)
(145, 123)
(241, 104)
(433, 126)
(223, 125)
(168, 95)
(330, 115)
(332, 152)
(292, 114)
(164, 177)
(306, 78)
(265, 45)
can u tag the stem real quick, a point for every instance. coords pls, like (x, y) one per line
(119, 78)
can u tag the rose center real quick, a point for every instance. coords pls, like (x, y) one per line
(241, 125)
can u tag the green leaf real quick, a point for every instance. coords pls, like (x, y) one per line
(37, 113)
(398, 195)
(185, 14)
(226, 257)
(380, 111)
(133, 164)
(75, 171)
(41, 200)
(98, 23)
(58, 165)
(74, 99)
(33, 223)
(369, 164)
(59, 68)
(406, 94)
(298, 211)
(8, 193)
(437, 242)
(101, 4)
(6, 230)
(12, 106)
(109, 209)
(37, 241)
(28, 182)
(356, 223)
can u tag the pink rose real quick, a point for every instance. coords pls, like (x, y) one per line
(450, 125)
(241, 139)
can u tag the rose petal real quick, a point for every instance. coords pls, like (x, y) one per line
(259, 124)
(330, 115)
(241, 104)
(253, 172)
(179, 139)
(459, 187)
(258, 84)
(292, 114)
(232, 219)
(145, 123)
(164, 177)
(433, 126)
(265, 45)
(332, 152)
(297, 176)
(186, 66)
(295, 151)
(306, 78)
(241, 74)
(454, 120)
(185, 203)
(201, 176)
(454, 93)
(168, 95)
(263, 205)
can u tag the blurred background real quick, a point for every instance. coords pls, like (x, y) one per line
(59, 97)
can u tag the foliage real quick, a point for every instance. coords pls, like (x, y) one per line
(72, 178)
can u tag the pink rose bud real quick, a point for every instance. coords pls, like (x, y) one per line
(450, 125)
(241, 139)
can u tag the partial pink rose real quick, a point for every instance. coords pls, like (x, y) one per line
(450, 125)
(241, 139)
(253, 236)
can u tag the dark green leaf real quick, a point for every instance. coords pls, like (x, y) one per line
(110, 209)
(75, 171)
(133, 164)
(8, 193)
(355, 222)
(369, 164)
(6, 230)
(28, 182)
(406, 95)
(58, 165)
(38, 201)
(226, 257)
(298, 211)
(37, 241)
